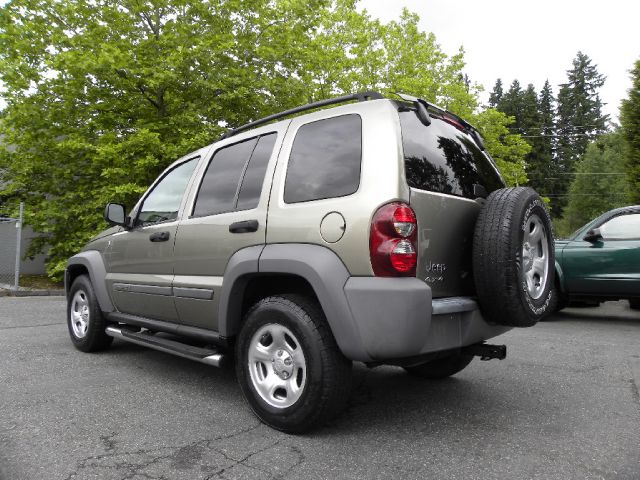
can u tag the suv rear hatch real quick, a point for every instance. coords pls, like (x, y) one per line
(448, 175)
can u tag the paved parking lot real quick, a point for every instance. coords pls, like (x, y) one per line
(564, 404)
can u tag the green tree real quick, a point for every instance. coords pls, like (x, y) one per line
(103, 94)
(580, 120)
(598, 185)
(495, 97)
(540, 162)
(511, 105)
(508, 150)
(630, 122)
(529, 111)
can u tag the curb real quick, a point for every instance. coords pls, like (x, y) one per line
(31, 293)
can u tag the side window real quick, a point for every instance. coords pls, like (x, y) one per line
(234, 177)
(623, 227)
(325, 160)
(163, 203)
(251, 187)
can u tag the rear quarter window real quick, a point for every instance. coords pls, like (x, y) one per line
(441, 158)
(325, 160)
(234, 177)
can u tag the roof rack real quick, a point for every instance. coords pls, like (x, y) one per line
(360, 97)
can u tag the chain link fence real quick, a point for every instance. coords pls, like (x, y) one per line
(10, 250)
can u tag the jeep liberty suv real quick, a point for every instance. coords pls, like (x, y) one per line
(377, 230)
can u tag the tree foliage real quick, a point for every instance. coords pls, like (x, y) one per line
(103, 94)
(541, 166)
(630, 122)
(558, 130)
(580, 120)
(598, 185)
(495, 97)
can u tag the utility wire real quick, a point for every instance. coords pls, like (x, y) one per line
(588, 173)
(555, 195)
(553, 127)
(564, 135)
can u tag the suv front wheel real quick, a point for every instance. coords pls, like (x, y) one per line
(289, 367)
(84, 317)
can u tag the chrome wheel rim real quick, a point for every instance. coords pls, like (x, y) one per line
(80, 314)
(535, 257)
(277, 365)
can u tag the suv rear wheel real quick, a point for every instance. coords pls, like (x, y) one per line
(288, 364)
(84, 317)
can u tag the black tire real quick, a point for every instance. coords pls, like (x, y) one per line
(441, 368)
(634, 304)
(558, 302)
(504, 228)
(309, 398)
(86, 325)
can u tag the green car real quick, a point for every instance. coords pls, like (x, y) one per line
(601, 260)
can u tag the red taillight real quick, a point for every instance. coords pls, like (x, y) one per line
(392, 243)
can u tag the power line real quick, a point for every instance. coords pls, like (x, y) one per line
(598, 194)
(591, 173)
(554, 127)
(564, 135)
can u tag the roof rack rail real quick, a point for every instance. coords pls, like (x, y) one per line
(360, 97)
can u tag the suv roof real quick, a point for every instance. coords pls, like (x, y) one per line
(360, 97)
(424, 109)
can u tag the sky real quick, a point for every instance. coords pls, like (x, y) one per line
(531, 41)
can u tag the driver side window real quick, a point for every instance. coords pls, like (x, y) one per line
(163, 203)
(623, 227)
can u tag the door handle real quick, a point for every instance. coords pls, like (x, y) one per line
(159, 236)
(244, 227)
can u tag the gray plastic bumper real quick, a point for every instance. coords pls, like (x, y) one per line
(396, 318)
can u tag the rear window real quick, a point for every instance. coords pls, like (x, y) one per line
(441, 158)
(325, 160)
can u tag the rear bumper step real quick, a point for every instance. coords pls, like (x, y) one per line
(486, 351)
(202, 355)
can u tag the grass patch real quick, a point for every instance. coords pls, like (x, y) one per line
(39, 282)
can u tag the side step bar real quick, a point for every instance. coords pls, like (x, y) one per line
(202, 355)
(486, 351)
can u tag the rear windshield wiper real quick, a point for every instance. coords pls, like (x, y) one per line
(422, 111)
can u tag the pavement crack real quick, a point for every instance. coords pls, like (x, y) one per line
(13, 327)
(134, 467)
(635, 393)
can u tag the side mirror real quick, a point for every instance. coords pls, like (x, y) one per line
(114, 214)
(593, 235)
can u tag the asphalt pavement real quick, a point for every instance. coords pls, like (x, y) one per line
(563, 405)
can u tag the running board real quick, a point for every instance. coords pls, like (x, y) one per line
(202, 355)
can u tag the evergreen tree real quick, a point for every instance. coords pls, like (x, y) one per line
(496, 95)
(541, 168)
(598, 185)
(580, 120)
(630, 120)
(528, 109)
(511, 105)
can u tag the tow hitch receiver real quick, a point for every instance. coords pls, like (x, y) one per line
(486, 351)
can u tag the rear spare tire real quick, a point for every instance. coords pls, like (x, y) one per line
(513, 258)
